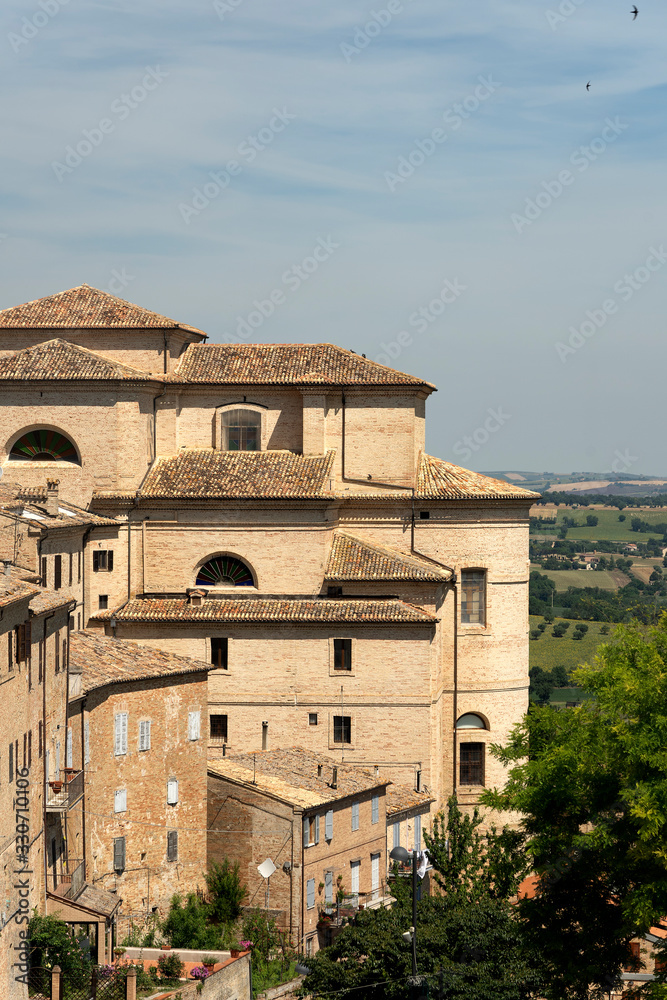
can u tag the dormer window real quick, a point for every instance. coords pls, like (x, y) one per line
(241, 430)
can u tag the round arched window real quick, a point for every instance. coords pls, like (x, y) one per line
(44, 446)
(471, 721)
(224, 571)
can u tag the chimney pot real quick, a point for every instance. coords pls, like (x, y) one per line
(334, 778)
(7, 563)
(52, 496)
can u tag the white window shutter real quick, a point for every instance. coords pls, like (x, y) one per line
(310, 893)
(306, 834)
(144, 735)
(120, 801)
(120, 734)
(328, 825)
(418, 833)
(193, 725)
(397, 835)
(328, 887)
(68, 750)
(317, 829)
(86, 742)
(172, 792)
(355, 815)
(375, 809)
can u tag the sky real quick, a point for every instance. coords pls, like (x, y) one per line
(423, 181)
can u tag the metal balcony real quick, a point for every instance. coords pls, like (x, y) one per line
(64, 793)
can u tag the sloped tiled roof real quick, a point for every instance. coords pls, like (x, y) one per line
(58, 359)
(213, 474)
(352, 558)
(13, 590)
(291, 775)
(400, 798)
(438, 479)
(103, 660)
(241, 610)
(85, 307)
(285, 364)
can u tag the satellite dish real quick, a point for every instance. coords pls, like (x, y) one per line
(267, 868)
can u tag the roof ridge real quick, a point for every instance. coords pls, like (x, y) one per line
(46, 347)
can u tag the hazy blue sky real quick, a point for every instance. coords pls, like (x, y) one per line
(208, 83)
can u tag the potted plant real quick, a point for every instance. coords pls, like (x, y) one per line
(209, 962)
(235, 950)
(200, 972)
(56, 786)
(246, 945)
(119, 952)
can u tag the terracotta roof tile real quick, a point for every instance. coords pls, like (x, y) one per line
(13, 590)
(102, 660)
(354, 559)
(84, 307)
(400, 798)
(240, 610)
(214, 474)
(438, 479)
(58, 359)
(291, 774)
(285, 364)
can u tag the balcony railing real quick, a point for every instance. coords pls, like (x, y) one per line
(62, 794)
(349, 903)
(69, 882)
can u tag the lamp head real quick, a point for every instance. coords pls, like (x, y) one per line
(399, 854)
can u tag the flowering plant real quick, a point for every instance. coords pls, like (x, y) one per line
(105, 971)
(245, 945)
(200, 972)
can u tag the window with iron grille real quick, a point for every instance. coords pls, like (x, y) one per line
(342, 729)
(102, 560)
(219, 652)
(471, 756)
(473, 597)
(172, 845)
(342, 654)
(218, 724)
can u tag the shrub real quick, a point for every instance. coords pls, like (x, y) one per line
(170, 966)
(542, 626)
(52, 944)
(262, 931)
(226, 891)
(535, 633)
(187, 925)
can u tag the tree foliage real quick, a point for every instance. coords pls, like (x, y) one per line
(225, 890)
(592, 786)
(187, 925)
(52, 943)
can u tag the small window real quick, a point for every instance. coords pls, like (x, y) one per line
(23, 640)
(473, 587)
(312, 718)
(471, 721)
(241, 430)
(144, 735)
(102, 561)
(375, 809)
(120, 734)
(424, 515)
(342, 729)
(57, 572)
(119, 854)
(218, 724)
(334, 591)
(172, 792)
(120, 801)
(342, 654)
(355, 816)
(172, 845)
(194, 725)
(219, 651)
(471, 763)
(103, 602)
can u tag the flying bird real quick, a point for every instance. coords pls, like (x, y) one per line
(634, 12)
(588, 85)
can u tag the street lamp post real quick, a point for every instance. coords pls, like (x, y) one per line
(400, 854)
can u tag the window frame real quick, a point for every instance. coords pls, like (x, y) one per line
(223, 427)
(172, 845)
(335, 744)
(483, 621)
(103, 560)
(216, 738)
(120, 745)
(120, 800)
(144, 738)
(119, 854)
(481, 764)
(221, 662)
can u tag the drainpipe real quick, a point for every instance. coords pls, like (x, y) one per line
(165, 351)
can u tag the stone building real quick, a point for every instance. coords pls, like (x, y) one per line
(274, 513)
(320, 822)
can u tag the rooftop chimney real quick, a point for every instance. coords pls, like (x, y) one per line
(334, 778)
(196, 598)
(319, 770)
(52, 496)
(7, 563)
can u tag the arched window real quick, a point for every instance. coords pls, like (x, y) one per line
(224, 571)
(471, 721)
(44, 446)
(241, 430)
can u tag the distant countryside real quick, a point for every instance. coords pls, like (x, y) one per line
(597, 559)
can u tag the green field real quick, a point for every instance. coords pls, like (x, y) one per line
(562, 695)
(547, 652)
(609, 526)
(564, 578)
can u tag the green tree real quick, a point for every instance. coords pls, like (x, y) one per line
(591, 785)
(52, 943)
(225, 891)
(591, 520)
(188, 925)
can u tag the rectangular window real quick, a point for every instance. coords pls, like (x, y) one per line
(119, 854)
(473, 604)
(57, 572)
(103, 561)
(120, 734)
(418, 833)
(45, 575)
(102, 602)
(144, 735)
(312, 718)
(472, 763)
(23, 638)
(68, 749)
(194, 725)
(342, 729)
(342, 654)
(172, 792)
(10, 651)
(172, 845)
(71, 568)
(120, 800)
(310, 893)
(354, 876)
(633, 961)
(86, 742)
(218, 724)
(375, 809)
(328, 825)
(396, 834)
(355, 815)
(219, 651)
(64, 659)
